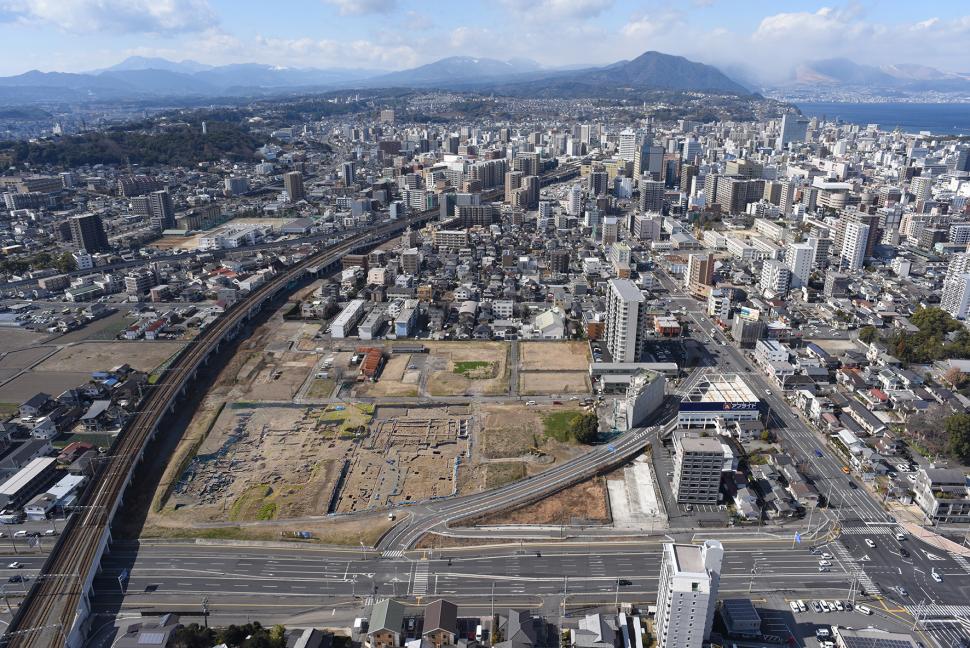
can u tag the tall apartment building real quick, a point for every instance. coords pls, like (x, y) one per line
(87, 233)
(599, 182)
(626, 323)
(651, 195)
(854, 216)
(700, 271)
(734, 193)
(775, 278)
(161, 210)
(293, 184)
(574, 204)
(799, 257)
(956, 296)
(697, 468)
(513, 180)
(472, 215)
(687, 595)
(627, 149)
(853, 254)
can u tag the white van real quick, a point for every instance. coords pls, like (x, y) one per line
(863, 609)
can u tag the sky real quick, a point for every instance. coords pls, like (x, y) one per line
(764, 39)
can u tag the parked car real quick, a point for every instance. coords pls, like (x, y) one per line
(870, 543)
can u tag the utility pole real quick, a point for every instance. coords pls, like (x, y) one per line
(205, 611)
(616, 603)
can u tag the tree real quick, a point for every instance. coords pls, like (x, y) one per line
(194, 636)
(585, 428)
(958, 436)
(954, 376)
(868, 333)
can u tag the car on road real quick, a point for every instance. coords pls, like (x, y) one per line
(768, 391)
(818, 453)
(900, 536)
(863, 609)
(845, 469)
(15, 565)
(823, 568)
(903, 552)
(853, 485)
(530, 403)
(902, 591)
(870, 543)
(826, 555)
(20, 534)
(935, 575)
(17, 578)
(50, 532)
(824, 563)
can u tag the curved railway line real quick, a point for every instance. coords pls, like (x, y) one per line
(56, 605)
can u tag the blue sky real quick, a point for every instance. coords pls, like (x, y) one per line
(764, 37)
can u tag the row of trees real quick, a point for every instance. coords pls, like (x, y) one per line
(939, 337)
(251, 635)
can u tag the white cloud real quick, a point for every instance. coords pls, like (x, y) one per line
(559, 9)
(327, 53)
(125, 16)
(361, 7)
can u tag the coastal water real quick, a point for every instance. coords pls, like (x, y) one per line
(947, 118)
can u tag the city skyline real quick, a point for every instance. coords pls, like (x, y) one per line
(70, 36)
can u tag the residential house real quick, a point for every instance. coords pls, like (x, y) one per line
(440, 623)
(386, 624)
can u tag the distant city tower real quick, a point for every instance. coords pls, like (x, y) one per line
(203, 128)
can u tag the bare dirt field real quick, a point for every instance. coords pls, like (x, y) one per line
(554, 356)
(25, 358)
(51, 382)
(101, 356)
(468, 368)
(536, 383)
(18, 338)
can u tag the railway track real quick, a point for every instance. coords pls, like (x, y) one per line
(49, 613)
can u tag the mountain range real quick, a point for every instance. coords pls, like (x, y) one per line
(157, 78)
(146, 78)
(904, 76)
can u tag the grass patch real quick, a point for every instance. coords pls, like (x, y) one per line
(248, 505)
(97, 440)
(267, 511)
(8, 409)
(499, 474)
(321, 388)
(557, 424)
(475, 369)
(346, 419)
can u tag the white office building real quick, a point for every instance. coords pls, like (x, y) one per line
(799, 258)
(687, 596)
(853, 253)
(574, 206)
(628, 144)
(626, 323)
(794, 128)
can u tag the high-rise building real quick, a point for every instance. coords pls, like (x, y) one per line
(628, 145)
(698, 462)
(387, 116)
(873, 234)
(691, 149)
(794, 128)
(734, 193)
(626, 323)
(87, 233)
(293, 183)
(853, 254)
(574, 206)
(799, 257)
(700, 270)
(775, 278)
(922, 188)
(956, 296)
(161, 210)
(651, 195)
(687, 595)
(599, 183)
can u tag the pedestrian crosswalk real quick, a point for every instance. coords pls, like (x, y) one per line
(395, 553)
(869, 530)
(936, 610)
(419, 586)
(851, 566)
(963, 562)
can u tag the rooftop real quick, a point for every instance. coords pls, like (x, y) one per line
(721, 388)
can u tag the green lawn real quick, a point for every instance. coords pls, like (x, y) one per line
(8, 409)
(557, 424)
(474, 368)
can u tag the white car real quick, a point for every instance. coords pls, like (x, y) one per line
(824, 563)
(768, 391)
(839, 606)
(15, 565)
(826, 555)
(936, 576)
(794, 606)
(870, 543)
